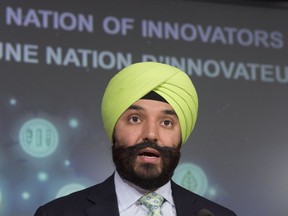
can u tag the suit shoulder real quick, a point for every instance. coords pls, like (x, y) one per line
(62, 203)
(198, 204)
(75, 202)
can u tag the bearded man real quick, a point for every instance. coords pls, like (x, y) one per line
(149, 110)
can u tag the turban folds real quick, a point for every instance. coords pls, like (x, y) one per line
(136, 80)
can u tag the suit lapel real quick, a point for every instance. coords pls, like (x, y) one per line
(183, 205)
(104, 199)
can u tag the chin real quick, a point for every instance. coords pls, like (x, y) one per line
(148, 171)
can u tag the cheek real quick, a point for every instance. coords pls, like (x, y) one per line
(172, 139)
(125, 136)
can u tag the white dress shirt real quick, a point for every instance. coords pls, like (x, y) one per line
(128, 196)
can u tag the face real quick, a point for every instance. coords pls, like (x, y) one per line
(147, 141)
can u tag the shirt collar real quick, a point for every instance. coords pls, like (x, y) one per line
(128, 193)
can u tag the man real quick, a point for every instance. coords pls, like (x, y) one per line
(149, 110)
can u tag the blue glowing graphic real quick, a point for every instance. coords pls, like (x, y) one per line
(73, 123)
(67, 162)
(38, 137)
(69, 188)
(42, 176)
(212, 192)
(13, 101)
(191, 177)
(25, 195)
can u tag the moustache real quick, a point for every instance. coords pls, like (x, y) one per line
(163, 150)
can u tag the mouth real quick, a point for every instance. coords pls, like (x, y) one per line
(149, 155)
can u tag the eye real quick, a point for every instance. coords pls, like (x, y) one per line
(134, 119)
(167, 123)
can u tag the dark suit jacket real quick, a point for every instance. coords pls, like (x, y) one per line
(101, 200)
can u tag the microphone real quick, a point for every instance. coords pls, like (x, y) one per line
(205, 212)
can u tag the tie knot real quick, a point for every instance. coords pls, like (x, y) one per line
(153, 202)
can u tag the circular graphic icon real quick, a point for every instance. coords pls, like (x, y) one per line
(38, 137)
(191, 177)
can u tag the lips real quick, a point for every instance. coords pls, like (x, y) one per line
(149, 152)
(149, 155)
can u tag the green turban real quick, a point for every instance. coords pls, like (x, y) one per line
(136, 80)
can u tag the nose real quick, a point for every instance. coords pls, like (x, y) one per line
(150, 132)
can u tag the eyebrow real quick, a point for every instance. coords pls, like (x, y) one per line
(170, 112)
(135, 107)
(167, 111)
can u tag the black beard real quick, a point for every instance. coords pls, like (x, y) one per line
(147, 176)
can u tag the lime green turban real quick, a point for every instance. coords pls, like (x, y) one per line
(136, 80)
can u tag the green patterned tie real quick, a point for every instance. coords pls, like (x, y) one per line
(153, 202)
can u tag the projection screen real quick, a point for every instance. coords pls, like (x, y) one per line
(56, 59)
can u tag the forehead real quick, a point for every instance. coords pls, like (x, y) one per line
(152, 106)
